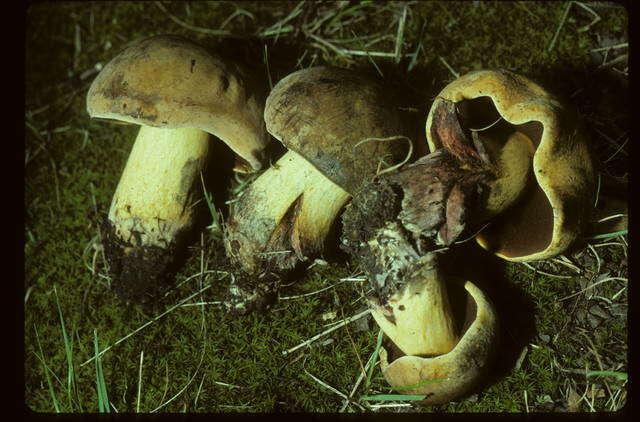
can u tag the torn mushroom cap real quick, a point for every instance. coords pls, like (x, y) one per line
(456, 373)
(324, 116)
(169, 82)
(550, 214)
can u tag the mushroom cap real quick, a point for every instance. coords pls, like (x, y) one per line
(458, 372)
(322, 113)
(550, 215)
(169, 82)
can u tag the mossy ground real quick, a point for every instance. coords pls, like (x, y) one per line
(199, 359)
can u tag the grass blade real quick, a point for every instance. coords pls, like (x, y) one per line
(609, 235)
(622, 376)
(68, 349)
(56, 406)
(103, 398)
(393, 397)
(374, 359)
(139, 382)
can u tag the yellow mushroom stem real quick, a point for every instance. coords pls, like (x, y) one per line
(418, 317)
(157, 190)
(459, 372)
(284, 215)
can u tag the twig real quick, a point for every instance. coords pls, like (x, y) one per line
(186, 305)
(266, 60)
(611, 217)
(611, 47)
(217, 32)
(277, 28)
(358, 381)
(390, 138)
(317, 336)
(595, 20)
(139, 382)
(612, 62)
(312, 293)
(563, 260)
(597, 257)
(545, 273)
(564, 18)
(453, 72)
(617, 151)
(146, 324)
(486, 127)
(328, 387)
(592, 286)
(400, 33)
(379, 406)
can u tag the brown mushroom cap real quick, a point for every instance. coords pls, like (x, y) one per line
(549, 217)
(169, 82)
(458, 372)
(322, 113)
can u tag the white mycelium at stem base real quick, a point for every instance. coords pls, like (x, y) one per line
(291, 188)
(155, 196)
(422, 323)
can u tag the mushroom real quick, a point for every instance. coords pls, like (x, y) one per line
(433, 345)
(552, 209)
(427, 335)
(503, 151)
(339, 127)
(454, 374)
(179, 94)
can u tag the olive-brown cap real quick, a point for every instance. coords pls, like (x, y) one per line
(169, 82)
(549, 216)
(325, 113)
(454, 374)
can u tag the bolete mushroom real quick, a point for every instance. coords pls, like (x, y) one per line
(433, 344)
(180, 94)
(504, 151)
(340, 127)
(554, 206)
(454, 374)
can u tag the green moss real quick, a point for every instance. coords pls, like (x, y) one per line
(74, 166)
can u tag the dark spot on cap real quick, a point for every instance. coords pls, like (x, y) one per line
(401, 307)
(224, 81)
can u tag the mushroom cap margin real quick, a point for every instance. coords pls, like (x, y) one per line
(462, 369)
(562, 163)
(170, 82)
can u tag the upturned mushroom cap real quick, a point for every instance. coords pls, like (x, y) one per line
(550, 214)
(456, 373)
(169, 82)
(322, 113)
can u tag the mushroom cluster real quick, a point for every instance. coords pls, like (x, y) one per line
(508, 162)
(505, 156)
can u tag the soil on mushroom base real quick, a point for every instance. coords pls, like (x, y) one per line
(141, 273)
